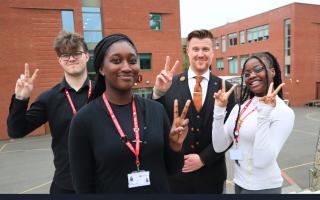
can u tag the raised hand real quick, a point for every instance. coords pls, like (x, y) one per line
(270, 98)
(24, 85)
(179, 129)
(221, 97)
(164, 79)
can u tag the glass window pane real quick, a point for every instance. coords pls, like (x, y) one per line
(90, 9)
(145, 60)
(67, 20)
(155, 22)
(92, 37)
(91, 21)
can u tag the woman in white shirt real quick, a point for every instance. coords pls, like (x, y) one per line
(258, 126)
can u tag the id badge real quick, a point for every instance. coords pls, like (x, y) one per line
(236, 154)
(138, 179)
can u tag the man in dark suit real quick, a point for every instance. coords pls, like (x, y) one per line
(204, 170)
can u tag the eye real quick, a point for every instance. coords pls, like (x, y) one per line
(133, 61)
(65, 55)
(116, 60)
(247, 74)
(258, 69)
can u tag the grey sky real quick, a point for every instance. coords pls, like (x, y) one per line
(196, 14)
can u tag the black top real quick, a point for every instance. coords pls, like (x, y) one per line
(52, 106)
(100, 162)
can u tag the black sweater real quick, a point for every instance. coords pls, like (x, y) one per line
(100, 161)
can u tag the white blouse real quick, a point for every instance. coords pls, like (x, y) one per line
(261, 137)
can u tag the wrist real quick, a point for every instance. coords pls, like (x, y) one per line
(157, 92)
(20, 97)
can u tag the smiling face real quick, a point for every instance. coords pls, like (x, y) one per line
(255, 76)
(200, 53)
(76, 64)
(120, 67)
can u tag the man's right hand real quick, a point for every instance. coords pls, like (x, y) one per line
(24, 85)
(164, 79)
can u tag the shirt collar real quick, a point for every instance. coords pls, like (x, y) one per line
(64, 84)
(205, 75)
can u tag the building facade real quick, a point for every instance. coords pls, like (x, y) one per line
(291, 33)
(28, 29)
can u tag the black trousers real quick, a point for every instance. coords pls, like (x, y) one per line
(56, 189)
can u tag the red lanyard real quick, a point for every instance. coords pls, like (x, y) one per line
(241, 119)
(74, 111)
(135, 150)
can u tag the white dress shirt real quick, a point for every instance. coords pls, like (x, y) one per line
(204, 82)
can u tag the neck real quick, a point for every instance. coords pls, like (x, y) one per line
(76, 82)
(118, 97)
(199, 72)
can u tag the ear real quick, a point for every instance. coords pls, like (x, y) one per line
(273, 72)
(101, 71)
(60, 61)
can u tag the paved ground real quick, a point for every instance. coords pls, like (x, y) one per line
(26, 164)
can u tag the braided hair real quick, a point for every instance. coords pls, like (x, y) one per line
(100, 51)
(245, 92)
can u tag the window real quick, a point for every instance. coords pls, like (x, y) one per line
(258, 33)
(287, 70)
(216, 43)
(287, 46)
(155, 21)
(223, 39)
(220, 64)
(233, 65)
(67, 20)
(92, 29)
(243, 59)
(242, 38)
(232, 38)
(145, 60)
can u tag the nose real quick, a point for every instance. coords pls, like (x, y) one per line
(200, 53)
(126, 66)
(71, 58)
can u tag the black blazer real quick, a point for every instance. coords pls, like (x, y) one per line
(199, 138)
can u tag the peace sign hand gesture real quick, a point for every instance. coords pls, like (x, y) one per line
(270, 98)
(24, 84)
(179, 129)
(164, 78)
(221, 97)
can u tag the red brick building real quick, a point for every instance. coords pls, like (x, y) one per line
(291, 33)
(28, 29)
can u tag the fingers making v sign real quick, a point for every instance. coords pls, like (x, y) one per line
(24, 84)
(164, 78)
(221, 97)
(179, 128)
(270, 98)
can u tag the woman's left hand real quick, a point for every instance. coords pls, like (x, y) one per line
(270, 98)
(179, 128)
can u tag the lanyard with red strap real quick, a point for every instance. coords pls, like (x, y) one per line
(241, 119)
(74, 111)
(123, 136)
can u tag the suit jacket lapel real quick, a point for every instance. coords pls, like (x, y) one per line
(213, 86)
(184, 86)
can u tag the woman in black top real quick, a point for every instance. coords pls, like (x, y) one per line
(133, 151)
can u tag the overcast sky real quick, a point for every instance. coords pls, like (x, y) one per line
(208, 14)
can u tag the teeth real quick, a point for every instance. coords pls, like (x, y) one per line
(254, 83)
